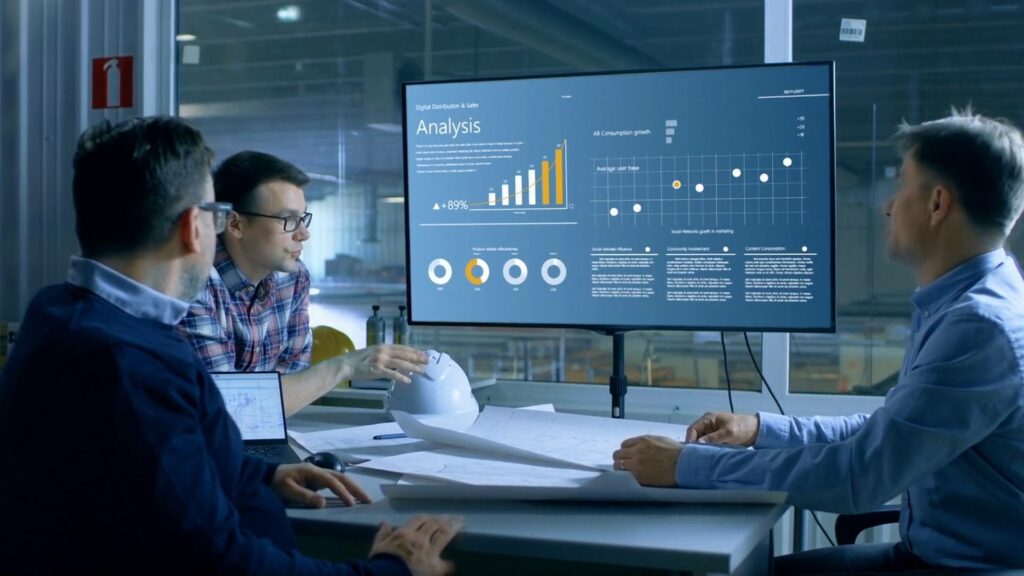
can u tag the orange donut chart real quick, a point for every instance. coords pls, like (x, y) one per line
(485, 271)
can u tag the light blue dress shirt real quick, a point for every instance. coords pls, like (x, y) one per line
(950, 435)
(129, 295)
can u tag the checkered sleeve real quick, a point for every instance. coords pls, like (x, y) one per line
(298, 348)
(205, 328)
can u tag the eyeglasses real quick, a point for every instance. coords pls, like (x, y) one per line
(291, 223)
(220, 212)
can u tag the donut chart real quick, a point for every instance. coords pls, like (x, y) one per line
(446, 271)
(475, 278)
(514, 271)
(553, 264)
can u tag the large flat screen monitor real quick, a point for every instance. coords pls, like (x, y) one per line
(680, 199)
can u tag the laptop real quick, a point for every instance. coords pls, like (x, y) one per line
(256, 404)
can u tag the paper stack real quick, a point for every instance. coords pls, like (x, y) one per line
(534, 455)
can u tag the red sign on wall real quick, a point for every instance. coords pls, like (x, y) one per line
(112, 85)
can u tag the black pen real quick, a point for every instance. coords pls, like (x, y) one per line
(390, 436)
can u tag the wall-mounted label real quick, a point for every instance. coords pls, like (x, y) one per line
(852, 30)
(112, 85)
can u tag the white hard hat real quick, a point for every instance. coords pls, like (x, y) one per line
(442, 389)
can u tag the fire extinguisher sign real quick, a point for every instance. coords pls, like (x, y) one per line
(112, 82)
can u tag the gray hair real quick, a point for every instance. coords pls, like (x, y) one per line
(981, 158)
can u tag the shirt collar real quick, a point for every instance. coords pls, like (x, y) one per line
(953, 283)
(233, 279)
(129, 295)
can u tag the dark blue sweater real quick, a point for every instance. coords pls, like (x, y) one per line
(121, 457)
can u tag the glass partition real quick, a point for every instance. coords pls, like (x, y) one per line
(317, 82)
(895, 60)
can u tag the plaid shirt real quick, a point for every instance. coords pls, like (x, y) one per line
(236, 326)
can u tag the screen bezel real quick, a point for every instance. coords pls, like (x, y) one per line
(280, 396)
(830, 329)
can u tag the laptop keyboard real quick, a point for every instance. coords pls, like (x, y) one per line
(269, 451)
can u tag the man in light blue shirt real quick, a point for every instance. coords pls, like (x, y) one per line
(950, 436)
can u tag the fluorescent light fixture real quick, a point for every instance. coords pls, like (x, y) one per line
(331, 178)
(393, 199)
(186, 38)
(314, 291)
(389, 127)
(289, 13)
(237, 22)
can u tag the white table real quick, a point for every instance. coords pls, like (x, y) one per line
(550, 537)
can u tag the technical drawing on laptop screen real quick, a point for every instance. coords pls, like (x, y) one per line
(253, 400)
(673, 199)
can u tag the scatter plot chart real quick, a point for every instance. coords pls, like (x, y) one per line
(758, 189)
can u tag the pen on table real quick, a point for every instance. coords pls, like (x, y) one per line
(390, 436)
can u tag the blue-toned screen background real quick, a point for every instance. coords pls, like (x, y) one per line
(682, 199)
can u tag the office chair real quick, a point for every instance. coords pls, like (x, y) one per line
(330, 342)
(848, 526)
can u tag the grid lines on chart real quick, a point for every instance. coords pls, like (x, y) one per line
(699, 190)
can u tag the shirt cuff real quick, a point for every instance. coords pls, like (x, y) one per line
(773, 430)
(695, 468)
(268, 473)
(389, 564)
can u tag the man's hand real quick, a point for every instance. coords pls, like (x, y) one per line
(298, 483)
(651, 459)
(724, 428)
(393, 361)
(419, 542)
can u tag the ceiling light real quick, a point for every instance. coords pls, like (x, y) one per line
(393, 199)
(389, 127)
(237, 22)
(289, 13)
(186, 38)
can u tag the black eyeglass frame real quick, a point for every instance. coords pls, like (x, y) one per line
(306, 219)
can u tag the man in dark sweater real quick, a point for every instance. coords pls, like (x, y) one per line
(135, 464)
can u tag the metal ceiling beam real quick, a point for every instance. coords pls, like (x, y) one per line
(552, 31)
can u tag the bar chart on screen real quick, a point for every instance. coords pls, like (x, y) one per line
(550, 181)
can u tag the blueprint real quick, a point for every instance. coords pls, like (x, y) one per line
(608, 487)
(549, 437)
(517, 454)
(357, 443)
(469, 467)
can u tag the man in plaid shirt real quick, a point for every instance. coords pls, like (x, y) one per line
(254, 313)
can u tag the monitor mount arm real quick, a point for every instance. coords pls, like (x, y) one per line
(618, 383)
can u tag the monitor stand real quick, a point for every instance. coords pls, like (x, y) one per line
(618, 382)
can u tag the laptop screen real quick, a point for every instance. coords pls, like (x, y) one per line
(254, 401)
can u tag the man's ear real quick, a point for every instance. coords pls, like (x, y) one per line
(940, 204)
(235, 227)
(191, 231)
